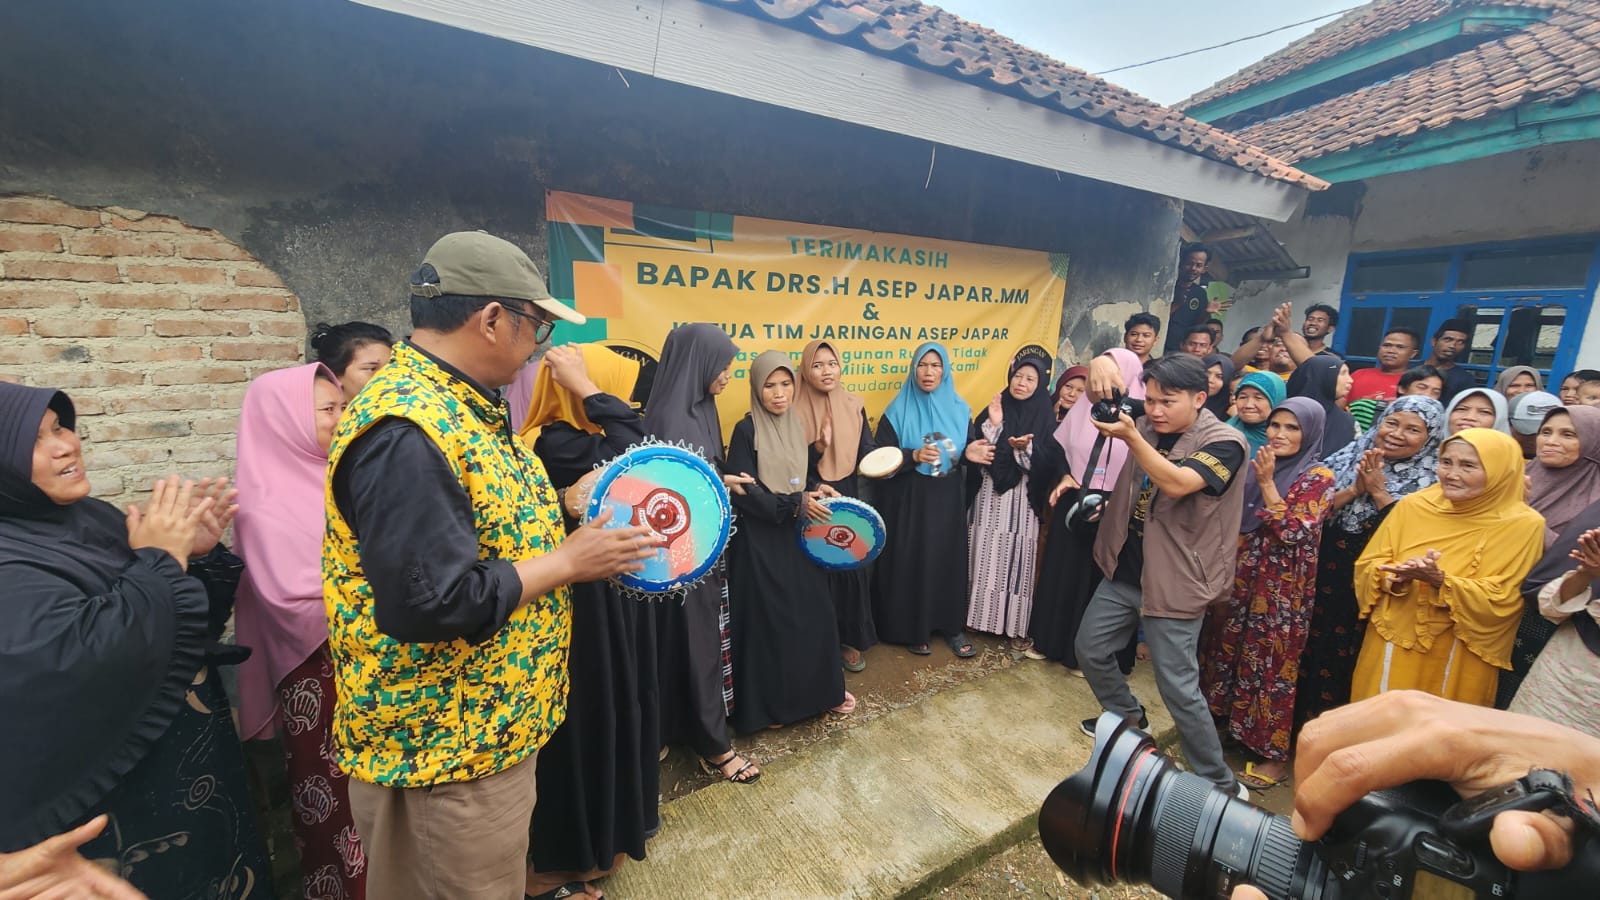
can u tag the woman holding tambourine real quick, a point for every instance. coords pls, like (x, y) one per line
(785, 642)
(697, 689)
(836, 426)
(920, 584)
(599, 775)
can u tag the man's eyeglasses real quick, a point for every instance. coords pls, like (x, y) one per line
(542, 327)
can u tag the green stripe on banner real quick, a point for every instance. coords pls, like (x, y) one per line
(587, 333)
(569, 244)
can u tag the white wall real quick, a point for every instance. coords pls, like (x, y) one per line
(1542, 192)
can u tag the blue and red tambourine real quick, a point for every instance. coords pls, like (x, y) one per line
(852, 537)
(681, 498)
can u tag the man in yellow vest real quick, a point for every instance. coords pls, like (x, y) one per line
(445, 573)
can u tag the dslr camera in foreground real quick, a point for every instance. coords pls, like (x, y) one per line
(1132, 816)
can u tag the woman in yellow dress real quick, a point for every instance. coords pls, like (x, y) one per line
(1438, 583)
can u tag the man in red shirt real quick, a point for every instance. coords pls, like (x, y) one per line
(1395, 353)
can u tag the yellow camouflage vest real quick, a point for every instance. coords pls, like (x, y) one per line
(411, 715)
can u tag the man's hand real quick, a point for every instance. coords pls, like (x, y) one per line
(595, 552)
(1404, 736)
(1104, 378)
(1122, 429)
(1283, 319)
(53, 868)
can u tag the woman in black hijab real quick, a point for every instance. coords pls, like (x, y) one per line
(109, 703)
(1326, 380)
(1219, 393)
(696, 675)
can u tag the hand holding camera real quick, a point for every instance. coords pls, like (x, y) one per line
(1378, 811)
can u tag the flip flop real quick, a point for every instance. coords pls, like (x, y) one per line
(847, 707)
(1258, 782)
(961, 645)
(920, 649)
(857, 666)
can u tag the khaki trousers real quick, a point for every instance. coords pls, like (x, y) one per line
(465, 840)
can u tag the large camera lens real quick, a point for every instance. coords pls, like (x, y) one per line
(1131, 815)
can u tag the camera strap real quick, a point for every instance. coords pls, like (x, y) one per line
(1094, 457)
(1538, 791)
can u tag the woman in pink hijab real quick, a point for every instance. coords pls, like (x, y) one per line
(285, 430)
(1067, 573)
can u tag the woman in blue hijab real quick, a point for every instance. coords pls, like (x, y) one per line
(920, 584)
(1258, 394)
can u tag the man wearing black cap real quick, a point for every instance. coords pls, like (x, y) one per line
(444, 571)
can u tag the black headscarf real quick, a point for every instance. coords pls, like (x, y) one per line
(681, 408)
(1556, 563)
(98, 642)
(1219, 402)
(1035, 415)
(1318, 379)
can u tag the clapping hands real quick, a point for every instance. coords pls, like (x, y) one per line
(1423, 568)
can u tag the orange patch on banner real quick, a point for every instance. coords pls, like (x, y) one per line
(598, 288)
(596, 211)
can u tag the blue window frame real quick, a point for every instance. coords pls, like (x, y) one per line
(1528, 301)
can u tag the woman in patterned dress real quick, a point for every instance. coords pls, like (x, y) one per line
(285, 429)
(1003, 534)
(1397, 456)
(1249, 670)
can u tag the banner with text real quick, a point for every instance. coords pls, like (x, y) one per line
(638, 271)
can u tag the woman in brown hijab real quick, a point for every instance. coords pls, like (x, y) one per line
(784, 638)
(836, 427)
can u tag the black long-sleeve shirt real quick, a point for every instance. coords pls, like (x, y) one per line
(419, 537)
(568, 454)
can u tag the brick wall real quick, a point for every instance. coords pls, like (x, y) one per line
(154, 327)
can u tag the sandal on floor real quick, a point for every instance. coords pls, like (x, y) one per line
(847, 707)
(961, 645)
(741, 775)
(844, 659)
(920, 649)
(570, 889)
(1256, 781)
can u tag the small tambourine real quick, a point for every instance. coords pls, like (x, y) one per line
(680, 497)
(853, 536)
(881, 463)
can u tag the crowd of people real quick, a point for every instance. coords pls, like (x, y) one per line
(470, 706)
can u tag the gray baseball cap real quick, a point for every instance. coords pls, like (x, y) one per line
(478, 264)
(1527, 410)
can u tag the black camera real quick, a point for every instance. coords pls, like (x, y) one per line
(1110, 409)
(1131, 815)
